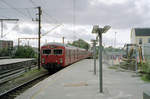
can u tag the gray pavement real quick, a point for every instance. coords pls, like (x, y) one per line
(78, 82)
(10, 61)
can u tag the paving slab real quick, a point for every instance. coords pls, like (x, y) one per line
(78, 82)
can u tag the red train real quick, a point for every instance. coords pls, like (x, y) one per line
(57, 55)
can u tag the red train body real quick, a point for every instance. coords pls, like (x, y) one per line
(56, 55)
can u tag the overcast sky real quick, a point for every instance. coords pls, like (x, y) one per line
(77, 18)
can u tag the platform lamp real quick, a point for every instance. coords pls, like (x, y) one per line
(100, 31)
(94, 42)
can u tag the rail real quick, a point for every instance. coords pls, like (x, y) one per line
(11, 71)
(23, 84)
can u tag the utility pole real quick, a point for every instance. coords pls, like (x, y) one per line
(39, 35)
(2, 25)
(63, 40)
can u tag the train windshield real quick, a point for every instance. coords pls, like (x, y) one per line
(47, 51)
(57, 51)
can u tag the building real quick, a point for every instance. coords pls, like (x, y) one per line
(6, 44)
(140, 36)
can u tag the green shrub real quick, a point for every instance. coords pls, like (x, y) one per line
(146, 70)
(145, 67)
(146, 77)
(5, 52)
(25, 52)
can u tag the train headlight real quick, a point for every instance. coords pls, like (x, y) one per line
(61, 60)
(43, 60)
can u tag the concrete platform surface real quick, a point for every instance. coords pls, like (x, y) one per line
(10, 61)
(78, 82)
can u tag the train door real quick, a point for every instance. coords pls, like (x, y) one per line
(69, 56)
(77, 54)
(66, 56)
(74, 55)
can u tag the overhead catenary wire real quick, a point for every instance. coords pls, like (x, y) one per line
(50, 16)
(27, 14)
(16, 9)
(51, 29)
(16, 26)
(74, 19)
(43, 10)
(28, 11)
(4, 16)
(2, 8)
(33, 3)
(47, 19)
(47, 16)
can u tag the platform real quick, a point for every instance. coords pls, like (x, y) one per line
(78, 82)
(11, 61)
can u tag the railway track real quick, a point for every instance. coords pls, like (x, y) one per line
(15, 77)
(11, 93)
(12, 68)
(10, 74)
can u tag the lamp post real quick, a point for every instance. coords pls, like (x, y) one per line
(94, 42)
(99, 31)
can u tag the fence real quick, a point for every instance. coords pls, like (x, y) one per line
(112, 58)
(146, 52)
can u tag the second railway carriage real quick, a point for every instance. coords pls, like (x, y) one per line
(56, 55)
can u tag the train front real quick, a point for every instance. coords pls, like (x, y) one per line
(52, 57)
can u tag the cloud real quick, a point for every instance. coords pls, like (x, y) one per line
(122, 15)
(70, 34)
(119, 14)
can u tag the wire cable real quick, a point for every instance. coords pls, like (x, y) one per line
(15, 27)
(33, 3)
(28, 11)
(11, 6)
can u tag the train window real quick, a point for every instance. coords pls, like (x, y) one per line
(46, 51)
(57, 51)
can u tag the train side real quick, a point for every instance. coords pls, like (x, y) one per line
(57, 55)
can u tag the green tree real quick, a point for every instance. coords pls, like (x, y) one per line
(5, 52)
(80, 43)
(25, 52)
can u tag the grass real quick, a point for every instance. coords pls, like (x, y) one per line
(145, 78)
(113, 67)
(32, 72)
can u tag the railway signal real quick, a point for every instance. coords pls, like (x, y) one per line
(99, 31)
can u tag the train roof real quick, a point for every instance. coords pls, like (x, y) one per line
(54, 43)
(63, 45)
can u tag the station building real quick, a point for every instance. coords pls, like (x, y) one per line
(6, 44)
(140, 36)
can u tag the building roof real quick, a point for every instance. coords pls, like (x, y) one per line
(142, 31)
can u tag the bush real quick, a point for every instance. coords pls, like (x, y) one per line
(146, 70)
(146, 67)
(5, 52)
(25, 52)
